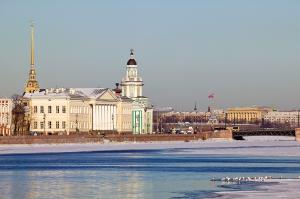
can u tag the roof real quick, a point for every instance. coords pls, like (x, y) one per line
(131, 61)
(80, 93)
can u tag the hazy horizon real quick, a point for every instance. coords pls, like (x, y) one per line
(246, 52)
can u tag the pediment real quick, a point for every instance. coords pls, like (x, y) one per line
(107, 96)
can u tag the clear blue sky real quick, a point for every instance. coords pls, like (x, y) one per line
(244, 51)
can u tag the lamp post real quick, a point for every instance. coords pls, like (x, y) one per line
(113, 123)
(225, 120)
(44, 123)
(298, 118)
(76, 122)
(157, 122)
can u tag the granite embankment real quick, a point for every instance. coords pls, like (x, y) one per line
(85, 138)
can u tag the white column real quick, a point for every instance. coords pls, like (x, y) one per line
(102, 117)
(106, 119)
(93, 119)
(115, 116)
(111, 117)
(98, 116)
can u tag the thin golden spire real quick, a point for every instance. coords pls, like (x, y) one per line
(32, 44)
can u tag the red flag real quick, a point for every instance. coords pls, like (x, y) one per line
(211, 96)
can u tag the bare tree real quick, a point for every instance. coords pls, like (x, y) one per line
(18, 115)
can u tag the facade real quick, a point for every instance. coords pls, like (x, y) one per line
(247, 114)
(32, 84)
(5, 116)
(64, 111)
(283, 117)
(132, 87)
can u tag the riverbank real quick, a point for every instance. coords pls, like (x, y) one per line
(252, 147)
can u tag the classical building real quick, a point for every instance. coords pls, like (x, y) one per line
(32, 84)
(247, 114)
(5, 116)
(132, 87)
(78, 110)
(291, 118)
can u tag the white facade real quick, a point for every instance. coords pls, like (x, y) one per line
(5, 116)
(73, 110)
(283, 117)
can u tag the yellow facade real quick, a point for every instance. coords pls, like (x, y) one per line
(247, 114)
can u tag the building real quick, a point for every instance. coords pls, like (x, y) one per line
(247, 114)
(132, 87)
(290, 118)
(5, 116)
(32, 84)
(65, 111)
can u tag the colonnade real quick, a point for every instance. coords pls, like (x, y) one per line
(104, 117)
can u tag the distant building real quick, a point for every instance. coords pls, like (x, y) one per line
(5, 116)
(132, 87)
(283, 117)
(247, 114)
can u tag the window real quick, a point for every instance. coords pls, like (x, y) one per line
(63, 109)
(49, 109)
(63, 125)
(35, 109)
(35, 125)
(42, 109)
(42, 125)
(57, 124)
(57, 109)
(49, 124)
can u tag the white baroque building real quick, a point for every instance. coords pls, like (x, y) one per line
(77, 110)
(132, 87)
(5, 116)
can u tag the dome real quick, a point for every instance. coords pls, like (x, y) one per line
(131, 61)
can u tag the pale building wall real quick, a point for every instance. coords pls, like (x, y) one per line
(124, 119)
(49, 114)
(80, 116)
(5, 116)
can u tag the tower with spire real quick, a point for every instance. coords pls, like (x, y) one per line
(32, 84)
(132, 87)
(132, 84)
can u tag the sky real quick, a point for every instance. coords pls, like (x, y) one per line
(246, 52)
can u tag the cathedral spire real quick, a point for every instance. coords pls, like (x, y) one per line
(32, 84)
(32, 44)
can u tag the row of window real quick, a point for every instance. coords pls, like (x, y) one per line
(79, 109)
(79, 125)
(57, 124)
(57, 109)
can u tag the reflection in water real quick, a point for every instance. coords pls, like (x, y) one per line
(132, 174)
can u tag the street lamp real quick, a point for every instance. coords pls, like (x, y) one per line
(44, 118)
(76, 122)
(112, 118)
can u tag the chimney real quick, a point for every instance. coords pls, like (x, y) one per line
(117, 90)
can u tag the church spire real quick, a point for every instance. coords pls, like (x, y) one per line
(32, 45)
(32, 84)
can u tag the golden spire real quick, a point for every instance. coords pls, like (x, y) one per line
(32, 44)
(32, 84)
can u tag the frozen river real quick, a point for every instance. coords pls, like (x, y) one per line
(145, 170)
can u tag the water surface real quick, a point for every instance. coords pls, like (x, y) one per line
(168, 173)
